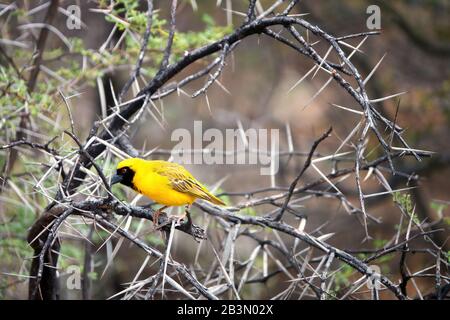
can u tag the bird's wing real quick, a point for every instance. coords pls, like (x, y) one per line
(182, 181)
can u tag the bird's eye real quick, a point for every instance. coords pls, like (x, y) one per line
(123, 171)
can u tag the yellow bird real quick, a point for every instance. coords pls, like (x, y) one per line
(166, 183)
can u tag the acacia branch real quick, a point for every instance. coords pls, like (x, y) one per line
(305, 167)
(40, 47)
(114, 134)
(145, 38)
(305, 237)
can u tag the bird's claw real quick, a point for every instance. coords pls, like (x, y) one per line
(177, 219)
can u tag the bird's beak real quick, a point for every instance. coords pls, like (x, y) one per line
(116, 179)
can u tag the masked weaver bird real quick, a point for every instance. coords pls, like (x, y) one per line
(168, 184)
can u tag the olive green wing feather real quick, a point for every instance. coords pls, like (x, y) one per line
(182, 181)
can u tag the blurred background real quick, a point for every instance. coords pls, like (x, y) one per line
(259, 76)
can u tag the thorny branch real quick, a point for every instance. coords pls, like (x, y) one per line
(305, 166)
(44, 237)
(145, 38)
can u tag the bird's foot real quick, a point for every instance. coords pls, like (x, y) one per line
(156, 216)
(179, 220)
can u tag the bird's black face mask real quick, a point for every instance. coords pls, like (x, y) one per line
(124, 176)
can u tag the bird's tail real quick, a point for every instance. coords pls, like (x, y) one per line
(213, 199)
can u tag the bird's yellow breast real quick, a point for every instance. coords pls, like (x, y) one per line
(158, 188)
